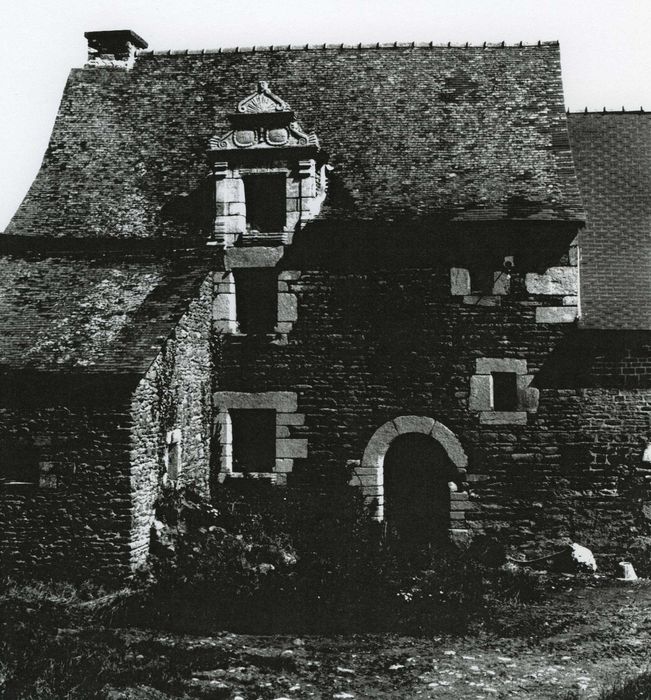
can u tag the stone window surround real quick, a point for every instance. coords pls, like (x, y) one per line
(369, 474)
(481, 391)
(225, 306)
(461, 285)
(285, 403)
(302, 199)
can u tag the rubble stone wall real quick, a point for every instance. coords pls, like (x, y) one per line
(370, 346)
(76, 522)
(175, 395)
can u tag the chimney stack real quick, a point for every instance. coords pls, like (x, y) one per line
(115, 46)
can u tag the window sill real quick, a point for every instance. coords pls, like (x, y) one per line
(503, 417)
(273, 477)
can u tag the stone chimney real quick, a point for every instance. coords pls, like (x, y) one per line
(117, 47)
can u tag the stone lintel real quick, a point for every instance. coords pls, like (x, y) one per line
(487, 365)
(281, 401)
(482, 300)
(255, 256)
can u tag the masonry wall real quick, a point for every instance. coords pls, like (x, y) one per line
(76, 522)
(388, 340)
(174, 398)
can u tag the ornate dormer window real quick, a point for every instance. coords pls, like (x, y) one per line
(269, 174)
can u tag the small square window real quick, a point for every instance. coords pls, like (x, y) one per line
(481, 281)
(256, 300)
(266, 202)
(505, 391)
(254, 440)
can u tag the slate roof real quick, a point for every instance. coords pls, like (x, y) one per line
(612, 152)
(412, 132)
(90, 315)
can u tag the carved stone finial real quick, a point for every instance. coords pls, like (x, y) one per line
(263, 100)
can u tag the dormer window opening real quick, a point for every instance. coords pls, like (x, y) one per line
(265, 198)
(505, 391)
(256, 300)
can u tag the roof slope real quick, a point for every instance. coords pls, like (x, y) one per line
(90, 315)
(412, 131)
(612, 153)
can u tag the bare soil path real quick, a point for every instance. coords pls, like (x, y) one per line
(581, 639)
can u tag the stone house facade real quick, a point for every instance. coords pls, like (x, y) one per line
(275, 262)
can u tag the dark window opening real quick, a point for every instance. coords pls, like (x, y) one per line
(266, 204)
(481, 281)
(256, 300)
(18, 465)
(174, 457)
(254, 440)
(505, 391)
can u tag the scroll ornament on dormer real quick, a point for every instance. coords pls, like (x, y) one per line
(263, 120)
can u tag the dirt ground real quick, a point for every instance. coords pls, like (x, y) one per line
(583, 638)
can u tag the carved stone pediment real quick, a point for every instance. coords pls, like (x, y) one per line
(263, 121)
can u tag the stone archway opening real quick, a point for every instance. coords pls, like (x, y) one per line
(432, 454)
(417, 471)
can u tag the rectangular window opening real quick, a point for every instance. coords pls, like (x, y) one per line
(505, 391)
(254, 440)
(266, 202)
(18, 465)
(481, 281)
(256, 300)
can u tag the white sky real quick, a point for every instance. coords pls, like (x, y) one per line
(605, 47)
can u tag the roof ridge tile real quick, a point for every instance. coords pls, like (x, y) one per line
(347, 47)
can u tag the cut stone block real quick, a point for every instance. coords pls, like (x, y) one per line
(482, 300)
(555, 280)
(459, 281)
(282, 401)
(290, 419)
(287, 307)
(284, 466)
(282, 431)
(229, 190)
(293, 448)
(503, 418)
(377, 446)
(556, 314)
(501, 283)
(230, 224)
(255, 256)
(486, 365)
(572, 300)
(289, 275)
(413, 424)
(481, 393)
(223, 308)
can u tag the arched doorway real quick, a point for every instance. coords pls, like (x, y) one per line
(417, 471)
(434, 453)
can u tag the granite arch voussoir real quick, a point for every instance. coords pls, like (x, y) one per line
(370, 475)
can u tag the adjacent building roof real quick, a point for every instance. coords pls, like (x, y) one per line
(90, 315)
(412, 131)
(612, 152)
